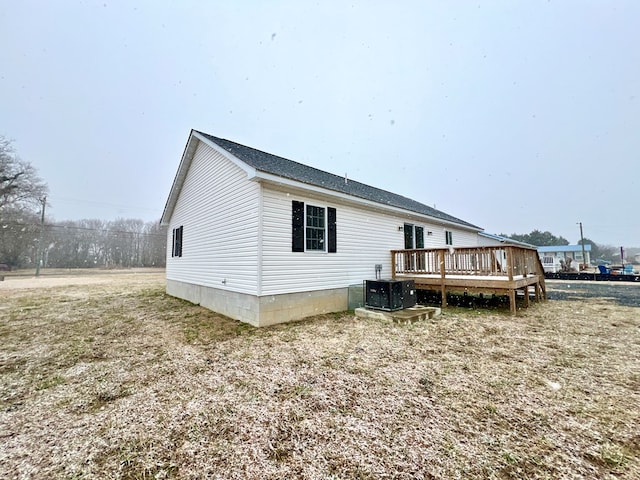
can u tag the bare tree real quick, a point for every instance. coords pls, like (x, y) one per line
(20, 186)
(95, 243)
(68, 244)
(19, 232)
(21, 195)
(155, 245)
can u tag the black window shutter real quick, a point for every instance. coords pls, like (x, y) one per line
(419, 237)
(297, 226)
(331, 217)
(180, 232)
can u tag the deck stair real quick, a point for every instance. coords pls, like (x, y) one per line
(407, 315)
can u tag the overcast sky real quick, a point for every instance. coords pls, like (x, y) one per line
(513, 116)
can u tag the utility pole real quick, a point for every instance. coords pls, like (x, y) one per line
(584, 258)
(40, 242)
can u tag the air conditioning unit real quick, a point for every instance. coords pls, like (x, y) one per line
(389, 294)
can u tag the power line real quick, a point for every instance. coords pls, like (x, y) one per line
(104, 204)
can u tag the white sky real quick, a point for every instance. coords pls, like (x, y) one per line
(513, 116)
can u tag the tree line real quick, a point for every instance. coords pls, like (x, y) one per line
(82, 243)
(27, 238)
(547, 239)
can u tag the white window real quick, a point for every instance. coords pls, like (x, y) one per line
(316, 228)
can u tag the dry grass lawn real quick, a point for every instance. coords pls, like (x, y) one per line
(110, 378)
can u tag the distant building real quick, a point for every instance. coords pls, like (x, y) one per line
(554, 257)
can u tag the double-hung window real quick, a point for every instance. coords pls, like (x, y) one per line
(313, 228)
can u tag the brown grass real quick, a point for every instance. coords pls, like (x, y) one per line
(114, 379)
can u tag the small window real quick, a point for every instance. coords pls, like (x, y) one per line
(448, 237)
(176, 247)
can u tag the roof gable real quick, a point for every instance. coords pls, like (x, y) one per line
(282, 167)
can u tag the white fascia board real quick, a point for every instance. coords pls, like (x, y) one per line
(271, 178)
(250, 171)
(176, 186)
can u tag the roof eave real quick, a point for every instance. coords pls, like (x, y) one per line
(262, 176)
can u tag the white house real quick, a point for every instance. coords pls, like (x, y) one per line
(554, 257)
(266, 240)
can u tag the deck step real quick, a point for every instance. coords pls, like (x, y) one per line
(407, 315)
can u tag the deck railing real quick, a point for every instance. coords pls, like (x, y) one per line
(510, 261)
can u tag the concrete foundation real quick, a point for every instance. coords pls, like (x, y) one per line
(264, 310)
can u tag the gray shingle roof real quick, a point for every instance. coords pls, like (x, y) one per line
(266, 162)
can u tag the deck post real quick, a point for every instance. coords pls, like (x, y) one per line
(510, 263)
(512, 301)
(526, 295)
(393, 264)
(443, 288)
(512, 290)
(538, 292)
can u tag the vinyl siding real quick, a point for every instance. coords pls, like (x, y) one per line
(461, 238)
(488, 242)
(218, 207)
(365, 238)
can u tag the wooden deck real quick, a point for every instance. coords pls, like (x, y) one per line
(500, 270)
